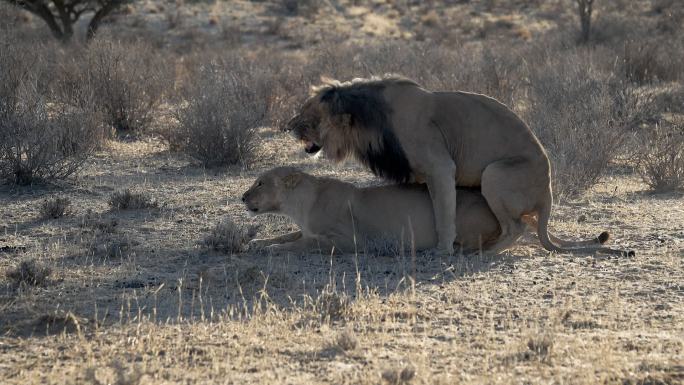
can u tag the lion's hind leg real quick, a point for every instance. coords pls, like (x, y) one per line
(507, 188)
(515, 230)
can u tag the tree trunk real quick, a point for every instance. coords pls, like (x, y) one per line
(99, 16)
(41, 10)
(65, 17)
(65, 13)
(585, 9)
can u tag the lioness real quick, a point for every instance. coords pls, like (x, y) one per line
(404, 132)
(331, 213)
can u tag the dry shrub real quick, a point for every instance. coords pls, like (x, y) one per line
(229, 237)
(287, 88)
(129, 80)
(671, 101)
(217, 121)
(653, 60)
(581, 115)
(494, 71)
(131, 200)
(305, 8)
(29, 272)
(670, 15)
(40, 138)
(345, 341)
(660, 156)
(54, 208)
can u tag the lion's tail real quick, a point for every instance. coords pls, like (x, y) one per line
(553, 243)
(599, 240)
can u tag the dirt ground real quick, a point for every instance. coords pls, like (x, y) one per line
(136, 297)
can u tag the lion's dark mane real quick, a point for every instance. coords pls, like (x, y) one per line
(369, 112)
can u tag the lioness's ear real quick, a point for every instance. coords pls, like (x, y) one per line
(292, 180)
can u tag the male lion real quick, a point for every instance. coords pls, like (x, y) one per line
(403, 132)
(331, 213)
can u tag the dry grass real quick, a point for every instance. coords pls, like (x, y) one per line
(345, 341)
(136, 296)
(229, 237)
(128, 81)
(29, 273)
(582, 116)
(40, 138)
(217, 120)
(132, 200)
(660, 156)
(54, 208)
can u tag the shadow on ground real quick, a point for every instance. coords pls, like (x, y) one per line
(194, 285)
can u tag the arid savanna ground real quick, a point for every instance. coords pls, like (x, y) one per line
(152, 293)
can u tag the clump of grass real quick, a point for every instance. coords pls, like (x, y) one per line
(399, 376)
(332, 305)
(54, 208)
(115, 372)
(129, 200)
(229, 237)
(58, 322)
(96, 223)
(383, 246)
(345, 341)
(660, 157)
(29, 273)
(111, 246)
(538, 347)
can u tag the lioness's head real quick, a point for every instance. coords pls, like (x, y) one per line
(268, 194)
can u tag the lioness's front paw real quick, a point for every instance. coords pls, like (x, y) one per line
(257, 244)
(275, 249)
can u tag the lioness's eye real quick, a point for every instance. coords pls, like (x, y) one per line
(259, 184)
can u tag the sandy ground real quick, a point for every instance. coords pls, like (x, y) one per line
(135, 297)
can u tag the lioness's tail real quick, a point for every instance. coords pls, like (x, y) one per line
(547, 240)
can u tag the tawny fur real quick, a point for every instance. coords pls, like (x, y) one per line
(404, 132)
(335, 214)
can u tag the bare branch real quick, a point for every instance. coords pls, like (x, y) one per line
(61, 15)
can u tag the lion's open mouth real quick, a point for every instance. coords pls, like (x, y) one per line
(311, 147)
